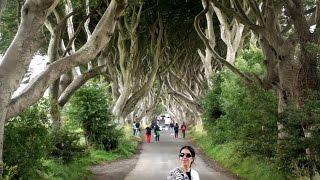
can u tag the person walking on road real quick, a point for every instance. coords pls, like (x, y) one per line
(157, 133)
(183, 129)
(137, 128)
(134, 128)
(148, 134)
(176, 130)
(171, 127)
(184, 171)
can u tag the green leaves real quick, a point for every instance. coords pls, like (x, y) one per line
(9, 24)
(90, 108)
(26, 142)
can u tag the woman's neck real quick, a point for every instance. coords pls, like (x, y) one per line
(185, 169)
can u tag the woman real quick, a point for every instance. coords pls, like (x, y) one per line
(176, 130)
(148, 134)
(157, 133)
(185, 172)
(183, 129)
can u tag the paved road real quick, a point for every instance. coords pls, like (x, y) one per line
(157, 159)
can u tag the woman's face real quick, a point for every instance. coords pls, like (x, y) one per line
(185, 158)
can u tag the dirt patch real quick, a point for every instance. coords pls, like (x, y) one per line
(115, 170)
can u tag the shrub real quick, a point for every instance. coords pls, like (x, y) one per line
(65, 145)
(249, 119)
(301, 132)
(26, 142)
(90, 107)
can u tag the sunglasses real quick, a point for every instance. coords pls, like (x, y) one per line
(188, 155)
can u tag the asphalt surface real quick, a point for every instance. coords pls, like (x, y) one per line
(157, 159)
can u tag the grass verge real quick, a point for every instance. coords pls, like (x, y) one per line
(250, 168)
(79, 168)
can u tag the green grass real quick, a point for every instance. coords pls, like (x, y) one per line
(250, 168)
(79, 168)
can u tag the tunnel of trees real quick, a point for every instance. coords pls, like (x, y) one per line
(244, 71)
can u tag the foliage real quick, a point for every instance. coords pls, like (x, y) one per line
(231, 107)
(250, 168)
(26, 142)
(9, 24)
(90, 106)
(160, 108)
(10, 172)
(65, 145)
(247, 117)
(301, 132)
(78, 169)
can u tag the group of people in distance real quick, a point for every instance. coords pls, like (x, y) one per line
(156, 129)
(186, 154)
(174, 128)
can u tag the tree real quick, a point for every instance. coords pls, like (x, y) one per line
(289, 48)
(28, 41)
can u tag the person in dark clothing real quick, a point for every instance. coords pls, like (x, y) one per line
(171, 127)
(134, 128)
(137, 128)
(176, 130)
(157, 133)
(148, 134)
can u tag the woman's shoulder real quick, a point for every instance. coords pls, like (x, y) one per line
(175, 173)
(194, 175)
(177, 169)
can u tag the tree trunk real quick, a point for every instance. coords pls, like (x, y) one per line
(54, 107)
(208, 57)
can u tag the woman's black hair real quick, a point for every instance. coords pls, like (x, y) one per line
(192, 151)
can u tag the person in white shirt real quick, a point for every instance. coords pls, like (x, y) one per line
(184, 171)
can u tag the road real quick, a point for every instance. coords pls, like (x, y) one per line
(157, 159)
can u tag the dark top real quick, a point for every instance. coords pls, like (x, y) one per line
(189, 174)
(156, 128)
(176, 128)
(138, 125)
(148, 130)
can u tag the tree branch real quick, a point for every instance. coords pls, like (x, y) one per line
(78, 82)
(100, 37)
(215, 54)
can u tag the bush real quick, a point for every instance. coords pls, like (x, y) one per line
(90, 107)
(298, 122)
(247, 116)
(26, 142)
(65, 145)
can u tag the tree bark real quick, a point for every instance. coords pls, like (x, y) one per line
(208, 57)
(77, 83)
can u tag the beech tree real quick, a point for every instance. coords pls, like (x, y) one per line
(289, 47)
(28, 41)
